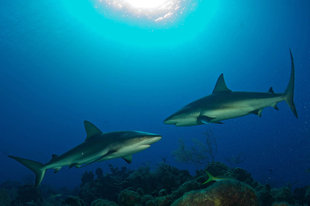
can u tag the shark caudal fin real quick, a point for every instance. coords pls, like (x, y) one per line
(36, 167)
(289, 92)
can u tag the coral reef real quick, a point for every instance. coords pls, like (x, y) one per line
(228, 193)
(103, 186)
(129, 198)
(27, 194)
(280, 204)
(282, 195)
(5, 199)
(307, 196)
(73, 201)
(164, 185)
(101, 202)
(264, 195)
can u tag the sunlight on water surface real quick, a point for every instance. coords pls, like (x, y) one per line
(153, 10)
(141, 23)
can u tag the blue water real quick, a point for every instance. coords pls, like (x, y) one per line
(62, 62)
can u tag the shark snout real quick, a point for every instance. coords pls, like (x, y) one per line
(152, 139)
(155, 139)
(146, 138)
(170, 120)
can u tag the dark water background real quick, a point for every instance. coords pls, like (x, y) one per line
(60, 65)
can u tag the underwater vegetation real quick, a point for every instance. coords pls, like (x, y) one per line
(163, 185)
(200, 153)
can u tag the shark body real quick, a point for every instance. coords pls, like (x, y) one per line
(97, 147)
(225, 104)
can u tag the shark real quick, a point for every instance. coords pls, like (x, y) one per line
(98, 146)
(224, 104)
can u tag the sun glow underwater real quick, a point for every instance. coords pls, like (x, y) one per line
(149, 10)
(146, 23)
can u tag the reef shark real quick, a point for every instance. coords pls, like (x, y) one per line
(225, 104)
(98, 146)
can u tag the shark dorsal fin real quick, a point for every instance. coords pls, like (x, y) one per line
(220, 85)
(91, 129)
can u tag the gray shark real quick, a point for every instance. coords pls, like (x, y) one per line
(225, 104)
(97, 147)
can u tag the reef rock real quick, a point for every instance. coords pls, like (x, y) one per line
(307, 196)
(263, 193)
(228, 193)
(102, 202)
(27, 194)
(280, 204)
(129, 198)
(160, 201)
(5, 199)
(73, 201)
(242, 175)
(186, 187)
(282, 194)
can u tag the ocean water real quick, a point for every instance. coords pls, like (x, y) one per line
(63, 62)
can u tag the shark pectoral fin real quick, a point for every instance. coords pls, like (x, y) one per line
(205, 119)
(101, 158)
(275, 106)
(258, 112)
(218, 122)
(220, 85)
(75, 165)
(128, 158)
(57, 169)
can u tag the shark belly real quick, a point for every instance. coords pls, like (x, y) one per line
(184, 118)
(223, 114)
(190, 121)
(76, 158)
(241, 108)
(125, 151)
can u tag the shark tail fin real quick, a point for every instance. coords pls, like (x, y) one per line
(211, 178)
(289, 92)
(34, 166)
